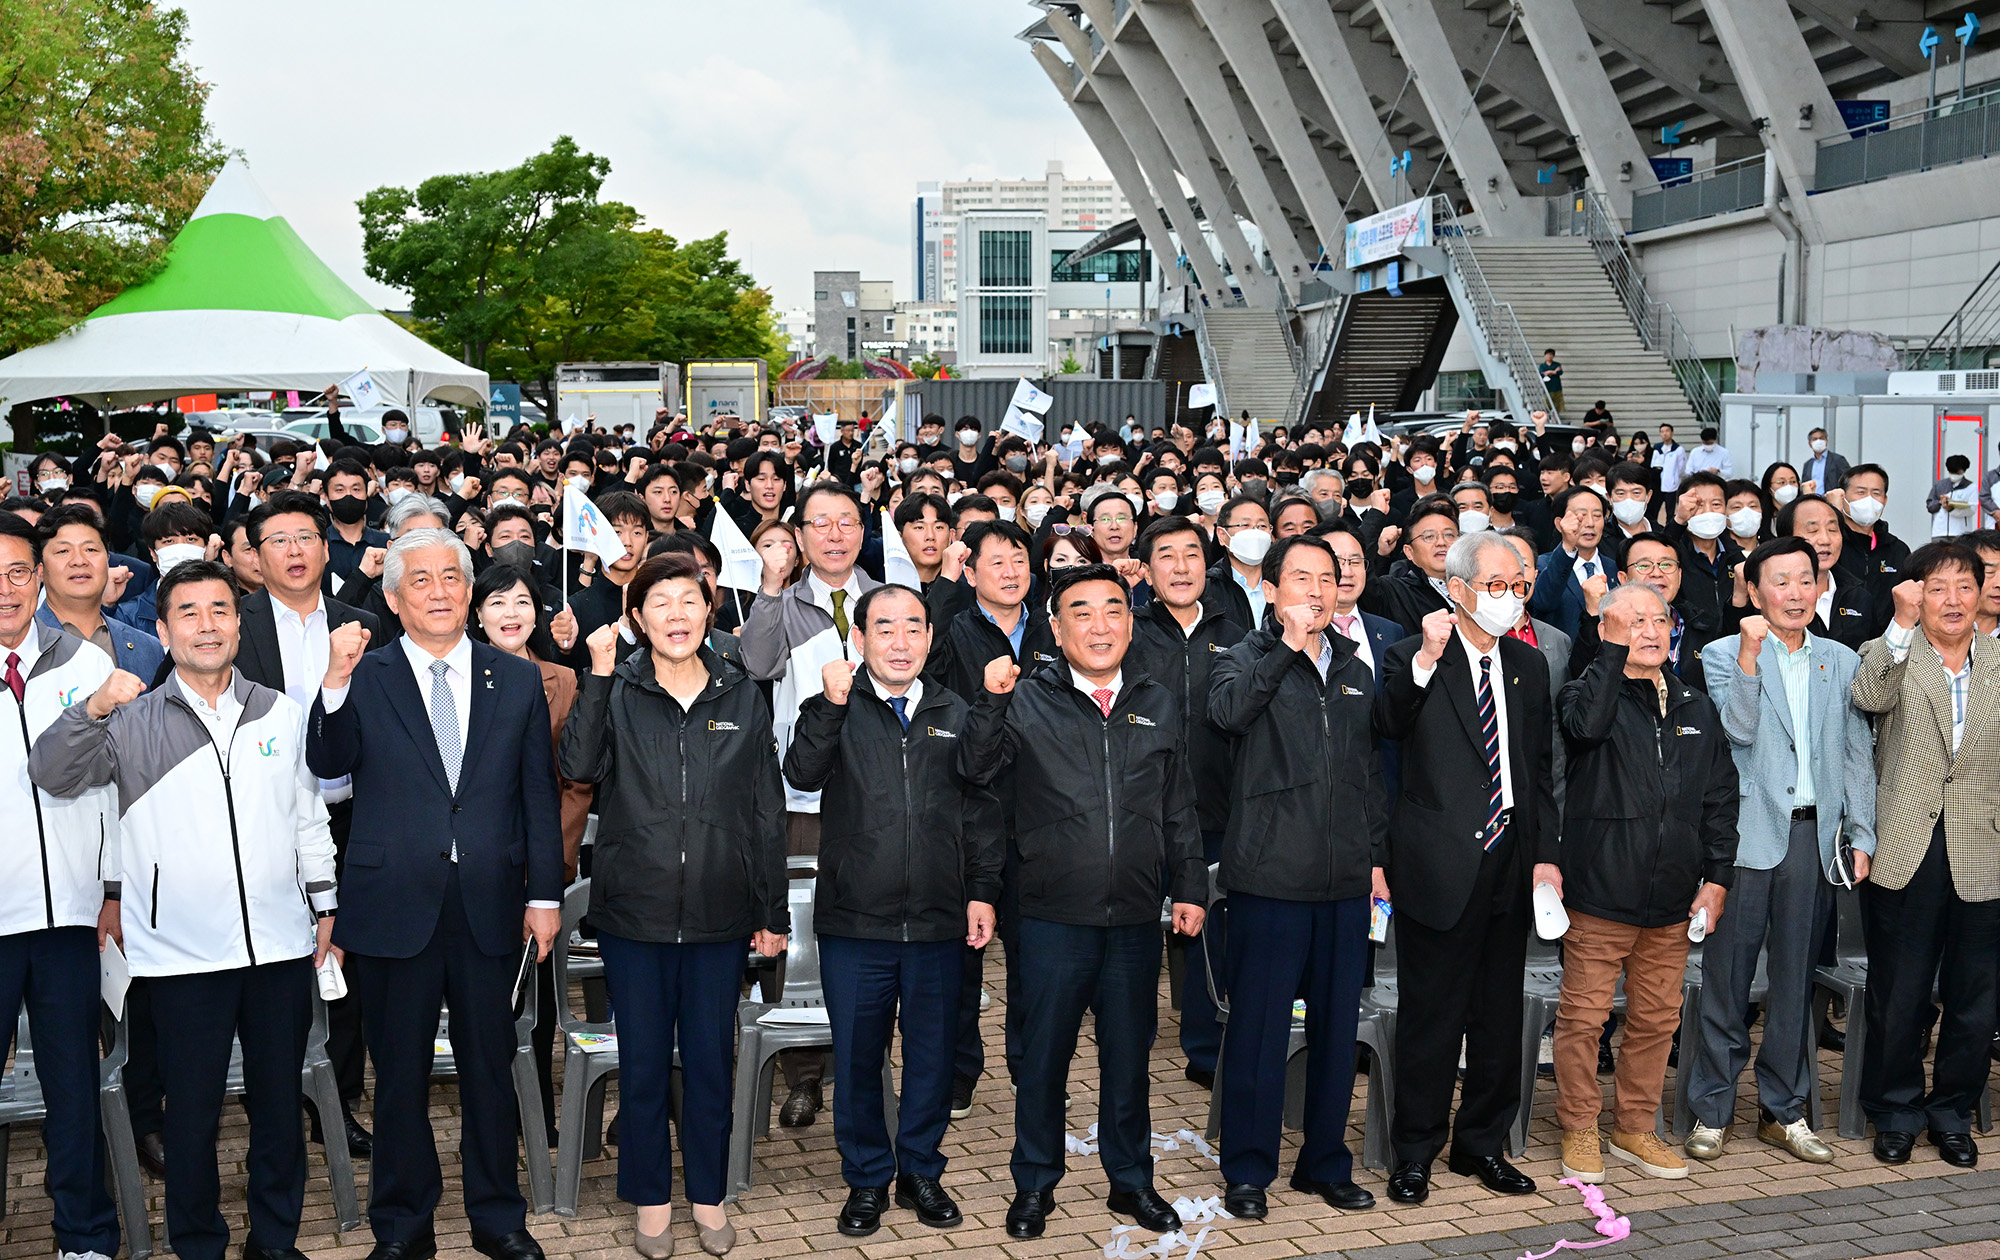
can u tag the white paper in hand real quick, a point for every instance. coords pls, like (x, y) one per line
(1202, 395)
(113, 976)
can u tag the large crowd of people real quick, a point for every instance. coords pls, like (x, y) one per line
(333, 717)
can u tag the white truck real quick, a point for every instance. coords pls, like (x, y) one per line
(613, 394)
(727, 387)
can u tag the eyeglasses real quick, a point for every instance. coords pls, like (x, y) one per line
(1072, 529)
(828, 524)
(1644, 568)
(304, 540)
(1122, 518)
(18, 575)
(1434, 537)
(1497, 588)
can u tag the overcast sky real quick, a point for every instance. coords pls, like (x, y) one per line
(799, 126)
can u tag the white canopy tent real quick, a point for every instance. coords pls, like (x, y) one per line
(241, 304)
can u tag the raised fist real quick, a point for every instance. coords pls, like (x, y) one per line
(955, 556)
(344, 646)
(1295, 624)
(371, 561)
(603, 645)
(837, 679)
(1001, 675)
(1594, 588)
(1437, 631)
(1754, 631)
(562, 628)
(119, 689)
(1909, 598)
(1617, 625)
(1386, 544)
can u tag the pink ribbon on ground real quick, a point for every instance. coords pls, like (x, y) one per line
(1614, 1227)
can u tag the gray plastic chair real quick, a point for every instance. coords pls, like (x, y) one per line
(22, 1102)
(316, 1082)
(1541, 994)
(527, 1093)
(758, 1045)
(128, 1186)
(1377, 1031)
(1215, 938)
(586, 1073)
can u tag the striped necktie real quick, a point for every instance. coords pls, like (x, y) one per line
(1489, 729)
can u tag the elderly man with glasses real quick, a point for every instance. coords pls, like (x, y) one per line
(789, 637)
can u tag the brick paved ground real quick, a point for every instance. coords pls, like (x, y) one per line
(1754, 1201)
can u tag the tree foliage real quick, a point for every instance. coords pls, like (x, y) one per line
(520, 270)
(104, 153)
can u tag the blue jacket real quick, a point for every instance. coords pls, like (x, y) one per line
(1558, 597)
(1757, 716)
(505, 817)
(132, 649)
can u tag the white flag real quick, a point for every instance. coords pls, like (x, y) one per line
(361, 388)
(886, 425)
(1021, 423)
(585, 529)
(897, 566)
(741, 568)
(1374, 432)
(1202, 395)
(1028, 398)
(827, 428)
(1242, 438)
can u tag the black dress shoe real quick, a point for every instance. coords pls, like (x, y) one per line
(1145, 1206)
(1205, 1079)
(925, 1197)
(1606, 1064)
(863, 1214)
(1240, 1198)
(153, 1154)
(360, 1142)
(519, 1245)
(1344, 1195)
(1411, 1182)
(1028, 1215)
(1892, 1146)
(1956, 1149)
(1831, 1038)
(801, 1107)
(251, 1251)
(420, 1247)
(1495, 1173)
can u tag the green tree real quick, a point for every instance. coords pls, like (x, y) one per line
(1070, 366)
(104, 153)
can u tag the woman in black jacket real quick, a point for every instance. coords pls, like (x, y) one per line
(689, 874)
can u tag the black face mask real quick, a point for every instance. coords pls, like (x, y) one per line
(1504, 501)
(1359, 489)
(518, 554)
(348, 508)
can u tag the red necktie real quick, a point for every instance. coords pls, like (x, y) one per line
(1103, 697)
(15, 683)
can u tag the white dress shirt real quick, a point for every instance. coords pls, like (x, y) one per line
(1090, 689)
(30, 651)
(304, 647)
(1497, 685)
(1359, 638)
(220, 718)
(914, 694)
(1824, 605)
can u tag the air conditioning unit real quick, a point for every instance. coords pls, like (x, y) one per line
(1979, 381)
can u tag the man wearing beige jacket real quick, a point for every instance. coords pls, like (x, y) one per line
(1931, 905)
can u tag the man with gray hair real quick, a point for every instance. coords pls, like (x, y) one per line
(1648, 850)
(1476, 821)
(456, 860)
(363, 587)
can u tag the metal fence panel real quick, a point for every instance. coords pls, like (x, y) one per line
(1735, 187)
(1078, 400)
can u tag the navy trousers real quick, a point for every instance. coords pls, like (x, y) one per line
(1065, 970)
(55, 972)
(268, 1008)
(871, 986)
(668, 995)
(1279, 951)
(1201, 1031)
(400, 999)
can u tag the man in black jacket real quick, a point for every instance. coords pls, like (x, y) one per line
(1469, 707)
(909, 875)
(973, 626)
(1105, 816)
(1307, 836)
(1649, 843)
(1407, 596)
(1176, 640)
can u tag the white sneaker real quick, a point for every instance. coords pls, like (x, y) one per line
(985, 999)
(80, 1255)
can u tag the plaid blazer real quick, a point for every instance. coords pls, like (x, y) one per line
(1917, 776)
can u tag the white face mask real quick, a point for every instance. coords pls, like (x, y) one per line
(173, 555)
(906, 466)
(457, 483)
(1425, 474)
(1707, 525)
(1036, 513)
(1210, 501)
(1166, 501)
(1249, 545)
(1576, 446)
(396, 494)
(1629, 511)
(1505, 444)
(146, 493)
(1473, 521)
(396, 436)
(1818, 446)
(953, 497)
(1497, 614)
(580, 481)
(968, 437)
(1743, 522)
(52, 485)
(1006, 513)
(1863, 512)
(1786, 493)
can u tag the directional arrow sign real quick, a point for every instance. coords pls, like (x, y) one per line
(1968, 30)
(1927, 43)
(1671, 134)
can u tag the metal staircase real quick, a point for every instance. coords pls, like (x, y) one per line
(1968, 338)
(1249, 357)
(1387, 350)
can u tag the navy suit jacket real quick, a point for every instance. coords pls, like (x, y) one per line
(505, 817)
(1381, 633)
(1558, 597)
